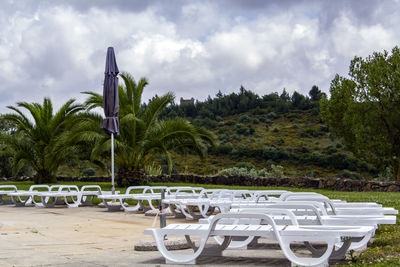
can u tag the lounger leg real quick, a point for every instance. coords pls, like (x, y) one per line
(74, 204)
(339, 253)
(362, 244)
(284, 242)
(19, 202)
(45, 201)
(177, 258)
(127, 208)
(186, 211)
(235, 242)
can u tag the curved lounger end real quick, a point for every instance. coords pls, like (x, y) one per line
(174, 258)
(285, 235)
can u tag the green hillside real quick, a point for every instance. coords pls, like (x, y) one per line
(297, 140)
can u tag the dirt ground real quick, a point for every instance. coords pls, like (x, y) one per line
(92, 236)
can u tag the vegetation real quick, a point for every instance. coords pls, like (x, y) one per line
(144, 138)
(364, 109)
(43, 143)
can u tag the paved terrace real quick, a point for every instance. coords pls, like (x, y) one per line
(92, 236)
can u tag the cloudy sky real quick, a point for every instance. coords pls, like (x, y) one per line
(192, 48)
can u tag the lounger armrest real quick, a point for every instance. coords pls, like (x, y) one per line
(33, 187)
(13, 187)
(130, 188)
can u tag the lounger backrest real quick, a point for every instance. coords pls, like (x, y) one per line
(313, 201)
(274, 210)
(210, 193)
(9, 187)
(286, 195)
(95, 188)
(154, 189)
(133, 188)
(39, 186)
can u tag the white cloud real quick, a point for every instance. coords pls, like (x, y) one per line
(192, 49)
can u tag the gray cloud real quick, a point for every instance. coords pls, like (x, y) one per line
(193, 48)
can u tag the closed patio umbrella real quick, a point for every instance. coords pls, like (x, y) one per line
(110, 104)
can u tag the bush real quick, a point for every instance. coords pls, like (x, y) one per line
(224, 149)
(247, 165)
(386, 175)
(272, 115)
(295, 126)
(276, 171)
(256, 121)
(276, 130)
(206, 122)
(244, 118)
(230, 123)
(218, 118)
(87, 171)
(350, 175)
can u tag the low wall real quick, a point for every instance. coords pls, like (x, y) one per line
(339, 184)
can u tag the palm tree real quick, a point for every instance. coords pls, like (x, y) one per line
(144, 137)
(42, 143)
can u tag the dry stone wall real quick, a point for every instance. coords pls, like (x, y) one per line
(338, 184)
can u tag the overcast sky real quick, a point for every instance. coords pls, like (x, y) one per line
(192, 48)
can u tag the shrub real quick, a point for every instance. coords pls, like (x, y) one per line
(386, 175)
(153, 169)
(262, 119)
(244, 118)
(87, 171)
(272, 115)
(350, 175)
(276, 130)
(295, 126)
(230, 123)
(256, 121)
(224, 149)
(324, 128)
(247, 165)
(218, 118)
(276, 171)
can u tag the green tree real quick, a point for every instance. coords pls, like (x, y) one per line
(144, 138)
(365, 108)
(41, 143)
(315, 93)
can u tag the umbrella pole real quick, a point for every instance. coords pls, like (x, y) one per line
(112, 164)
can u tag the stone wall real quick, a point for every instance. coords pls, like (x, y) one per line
(300, 182)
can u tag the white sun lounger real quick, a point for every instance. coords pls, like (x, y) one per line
(118, 201)
(266, 228)
(25, 197)
(4, 190)
(314, 218)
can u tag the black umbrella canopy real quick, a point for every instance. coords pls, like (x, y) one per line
(110, 94)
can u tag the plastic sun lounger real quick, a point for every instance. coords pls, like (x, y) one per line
(4, 190)
(23, 198)
(153, 194)
(118, 200)
(69, 195)
(222, 199)
(314, 218)
(342, 209)
(193, 208)
(266, 228)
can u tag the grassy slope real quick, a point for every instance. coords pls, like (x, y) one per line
(289, 127)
